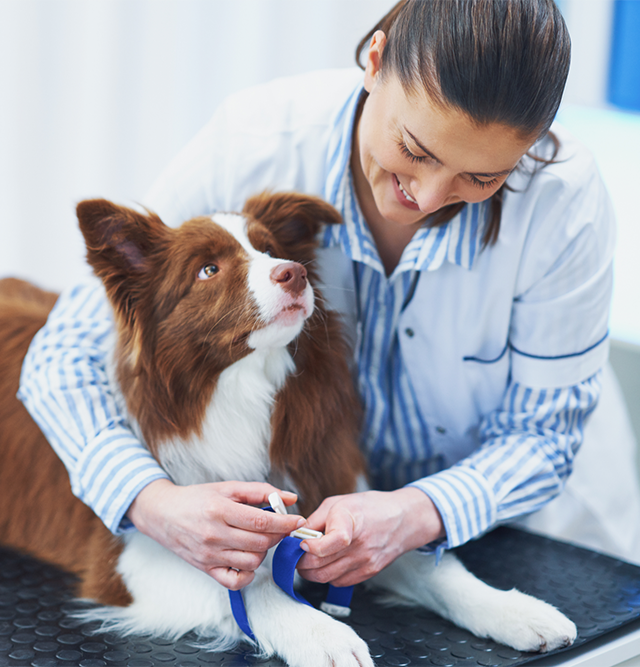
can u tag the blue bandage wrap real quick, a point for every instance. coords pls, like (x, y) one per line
(240, 613)
(339, 596)
(285, 559)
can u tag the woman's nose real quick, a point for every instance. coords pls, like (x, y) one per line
(433, 191)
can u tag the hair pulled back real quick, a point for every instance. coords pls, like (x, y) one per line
(497, 61)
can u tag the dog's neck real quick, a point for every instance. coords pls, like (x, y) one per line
(232, 440)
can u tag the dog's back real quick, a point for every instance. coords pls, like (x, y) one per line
(38, 512)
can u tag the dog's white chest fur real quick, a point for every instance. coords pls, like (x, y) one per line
(234, 441)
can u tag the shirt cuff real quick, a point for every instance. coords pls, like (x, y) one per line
(113, 469)
(465, 501)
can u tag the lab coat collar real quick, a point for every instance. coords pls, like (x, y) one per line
(459, 242)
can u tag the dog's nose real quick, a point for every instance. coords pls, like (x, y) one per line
(291, 276)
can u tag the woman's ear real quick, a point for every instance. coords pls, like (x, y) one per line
(374, 60)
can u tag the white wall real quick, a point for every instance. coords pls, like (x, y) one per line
(98, 95)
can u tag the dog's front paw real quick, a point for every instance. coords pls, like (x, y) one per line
(337, 645)
(528, 624)
(317, 640)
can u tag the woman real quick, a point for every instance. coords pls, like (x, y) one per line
(473, 271)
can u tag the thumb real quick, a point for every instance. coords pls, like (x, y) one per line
(337, 524)
(318, 520)
(254, 493)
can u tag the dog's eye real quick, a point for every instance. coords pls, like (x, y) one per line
(208, 271)
(269, 252)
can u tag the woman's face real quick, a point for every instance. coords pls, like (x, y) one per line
(416, 157)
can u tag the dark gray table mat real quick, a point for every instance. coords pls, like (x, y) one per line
(598, 593)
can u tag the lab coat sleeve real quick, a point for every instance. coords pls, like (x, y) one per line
(560, 314)
(65, 387)
(527, 454)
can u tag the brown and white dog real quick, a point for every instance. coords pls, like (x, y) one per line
(230, 368)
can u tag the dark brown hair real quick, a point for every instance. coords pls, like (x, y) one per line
(497, 61)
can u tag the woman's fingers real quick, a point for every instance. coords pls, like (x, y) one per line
(244, 561)
(256, 520)
(349, 567)
(330, 557)
(232, 579)
(335, 518)
(214, 527)
(253, 493)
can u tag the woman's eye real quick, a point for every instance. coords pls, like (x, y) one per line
(483, 184)
(208, 271)
(412, 156)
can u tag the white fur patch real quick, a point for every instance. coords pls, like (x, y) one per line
(274, 335)
(508, 617)
(170, 597)
(236, 225)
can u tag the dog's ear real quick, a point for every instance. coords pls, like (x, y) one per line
(294, 219)
(120, 242)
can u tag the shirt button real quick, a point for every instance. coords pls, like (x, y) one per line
(441, 430)
(410, 332)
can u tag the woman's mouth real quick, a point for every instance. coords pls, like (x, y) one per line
(403, 196)
(406, 194)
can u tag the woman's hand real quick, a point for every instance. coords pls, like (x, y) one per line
(364, 532)
(213, 526)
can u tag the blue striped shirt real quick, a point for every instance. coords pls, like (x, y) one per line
(65, 387)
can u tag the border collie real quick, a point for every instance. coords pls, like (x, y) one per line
(230, 367)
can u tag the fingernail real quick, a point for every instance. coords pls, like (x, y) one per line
(301, 523)
(304, 547)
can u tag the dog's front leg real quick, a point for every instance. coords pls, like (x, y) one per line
(301, 635)
(508, 617)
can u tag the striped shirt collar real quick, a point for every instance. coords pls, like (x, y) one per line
(458, 241)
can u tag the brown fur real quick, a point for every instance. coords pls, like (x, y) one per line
(168, 368)
(38, 512)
